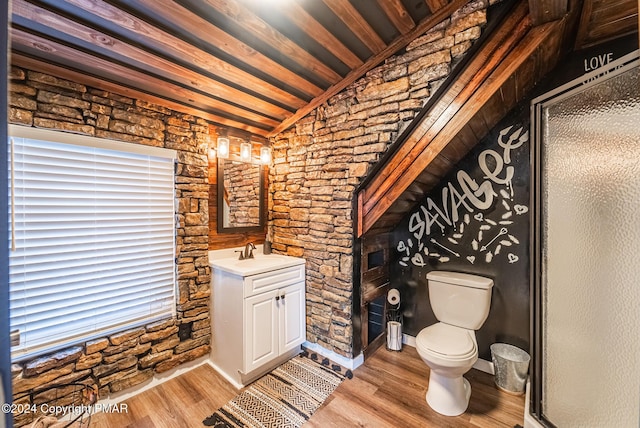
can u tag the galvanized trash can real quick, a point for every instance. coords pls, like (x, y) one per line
(511, 365)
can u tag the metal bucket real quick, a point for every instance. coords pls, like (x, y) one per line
(511, 365)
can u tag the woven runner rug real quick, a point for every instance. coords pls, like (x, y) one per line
(286, 397)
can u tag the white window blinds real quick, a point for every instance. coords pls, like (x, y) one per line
(93, 236)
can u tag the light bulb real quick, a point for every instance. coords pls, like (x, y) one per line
(223, 148)
(265, 155)
(245, 152)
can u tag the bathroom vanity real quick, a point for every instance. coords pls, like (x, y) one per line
(258, 314)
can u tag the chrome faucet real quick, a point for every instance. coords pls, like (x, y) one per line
(248, 251)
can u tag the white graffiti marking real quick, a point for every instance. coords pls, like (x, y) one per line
(463, 200)
(444, 248)
(503, 231)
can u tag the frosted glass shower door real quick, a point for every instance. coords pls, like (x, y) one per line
(590, 253)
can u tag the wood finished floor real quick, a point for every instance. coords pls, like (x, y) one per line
(387, 391)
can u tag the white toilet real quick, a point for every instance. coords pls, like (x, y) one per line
(461, 303)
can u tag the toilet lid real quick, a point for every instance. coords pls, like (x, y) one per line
(446, 339)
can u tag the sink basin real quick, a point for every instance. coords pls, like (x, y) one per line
(259, 264)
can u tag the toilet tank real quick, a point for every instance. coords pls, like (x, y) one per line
(460, 299)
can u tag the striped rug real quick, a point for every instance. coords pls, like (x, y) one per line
(283, 398)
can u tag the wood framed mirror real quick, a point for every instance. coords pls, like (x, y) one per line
(240, 196)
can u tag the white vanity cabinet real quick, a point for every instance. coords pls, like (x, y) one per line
(273, 324)
(258, 316)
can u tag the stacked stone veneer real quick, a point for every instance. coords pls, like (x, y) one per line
(319, 162)
(121, 360)
(242, 191)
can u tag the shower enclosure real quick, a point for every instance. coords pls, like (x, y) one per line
(586, 251)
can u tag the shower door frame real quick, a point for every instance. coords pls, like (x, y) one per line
(538, 105)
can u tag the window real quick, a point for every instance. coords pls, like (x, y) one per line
(92, 242)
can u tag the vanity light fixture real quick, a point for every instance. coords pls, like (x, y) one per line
(223, 147)
(265, 155)
(245, 152)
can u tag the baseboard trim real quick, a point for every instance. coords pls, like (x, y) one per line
(226, 377)
(349, 363)
(482, 365)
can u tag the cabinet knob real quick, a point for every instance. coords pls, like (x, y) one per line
(282, 297)
(277, 297)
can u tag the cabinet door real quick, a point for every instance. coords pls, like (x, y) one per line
(261, 330)
(292, 317)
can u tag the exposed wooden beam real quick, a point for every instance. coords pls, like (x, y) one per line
(536, 39)
(494, 50)
(583, 26)
(235, 48)
(547, 10)
(254, 25)
(85, 63)
(155, 65)
(603, 21)
(48, 67)
(397, 13)
(357, 24)
(303, 20)
(360, 219)
(194, 57)
(372, 62)
(434, 5)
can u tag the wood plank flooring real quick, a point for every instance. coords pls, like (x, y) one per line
(387, 391)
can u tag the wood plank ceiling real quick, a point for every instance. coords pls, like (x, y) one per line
(604, 20)
(255, 66)
(250, 65)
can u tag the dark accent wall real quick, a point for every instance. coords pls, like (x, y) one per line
(585, 61)
(475, 221)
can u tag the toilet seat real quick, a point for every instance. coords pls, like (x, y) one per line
(447, 341)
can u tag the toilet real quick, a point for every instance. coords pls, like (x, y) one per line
(461, 304)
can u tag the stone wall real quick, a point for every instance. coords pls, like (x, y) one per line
(242, 193)
(319, 163)
(122, 360)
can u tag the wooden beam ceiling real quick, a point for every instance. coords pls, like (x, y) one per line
(547, 10)
(245, 64)
(604, 20)
(354, 75)
(357, 24)
(396, 11)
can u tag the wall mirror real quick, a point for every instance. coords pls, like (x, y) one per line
(240, 196)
